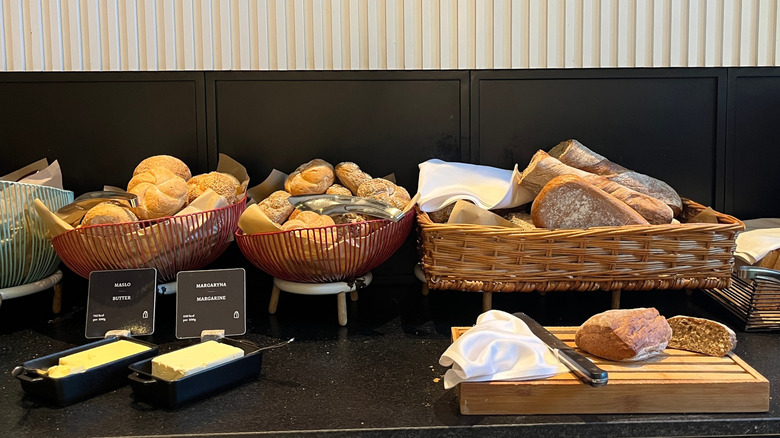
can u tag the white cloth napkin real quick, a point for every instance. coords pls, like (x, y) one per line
(759, 238)
(441, 183)
(499, 347)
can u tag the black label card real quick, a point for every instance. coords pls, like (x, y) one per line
(121, 300)
(210, 300)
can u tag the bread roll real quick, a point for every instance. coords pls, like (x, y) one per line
(575, 154)
(701, 335)
(308, 219)
(351, 176)
(173, 164)
(277, 206)
(337, 189)
(625, 334)
(384, 191)
(312, 178)
(223, 184)
(568, 201)
(108, 213)
(160, 193)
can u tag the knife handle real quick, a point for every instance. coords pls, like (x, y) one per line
(582, 367)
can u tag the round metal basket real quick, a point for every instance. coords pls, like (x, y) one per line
(26, 254)
(327, 254)
(169, 244)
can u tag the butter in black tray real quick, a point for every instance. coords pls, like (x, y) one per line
(84, 360)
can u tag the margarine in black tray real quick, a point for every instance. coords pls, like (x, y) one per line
(82, 372)
(191, 373)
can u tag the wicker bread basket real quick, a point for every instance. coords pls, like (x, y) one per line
(479, 258)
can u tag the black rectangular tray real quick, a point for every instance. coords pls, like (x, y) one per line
(79, 386)
(174, 394)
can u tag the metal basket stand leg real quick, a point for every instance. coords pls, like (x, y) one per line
(339, 288)
(418, 272)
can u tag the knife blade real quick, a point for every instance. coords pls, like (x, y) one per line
(338, 204)
(580, 365)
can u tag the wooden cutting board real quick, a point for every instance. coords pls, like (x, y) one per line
(675, 382)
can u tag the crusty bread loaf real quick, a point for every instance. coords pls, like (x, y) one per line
(308, 219)
(653, 210)
(542, 168)
(624, 334)
(277, 206)
(567, 201)
(108, 213)
(351, 176)
(701, 335)
(650, 186)
(173, 164)
(338, 189)
(223, 184)
(575, 154)
(521, 219)
(385, 191)
(160, 193)
(441, 215)
(312, 178)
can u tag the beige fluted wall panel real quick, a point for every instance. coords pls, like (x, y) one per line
(130, 35)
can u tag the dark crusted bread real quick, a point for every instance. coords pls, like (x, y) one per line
(624, 334)
(701, 336)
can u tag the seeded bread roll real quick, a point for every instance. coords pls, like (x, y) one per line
(308, 219)
(223, 184)
(624, 334)
(567, 201)
(384, 191)
(701, 336)
(312, 178)
(337, 189)
(277, 206)
(351, 176)
(173, 164)
(108, 213)
(160, 193)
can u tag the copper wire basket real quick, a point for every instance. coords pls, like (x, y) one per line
(327, 254)
(169, 244)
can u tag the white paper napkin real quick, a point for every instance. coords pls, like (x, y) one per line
(441, 183)
(499, 347)
(759, 238)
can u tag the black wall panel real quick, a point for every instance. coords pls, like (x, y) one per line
(384, 121)
(754, 154)
(665, 123)
(99, 126)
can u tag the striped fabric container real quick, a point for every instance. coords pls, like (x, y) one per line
(26, 254)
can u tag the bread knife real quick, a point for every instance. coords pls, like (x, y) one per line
(580, 365)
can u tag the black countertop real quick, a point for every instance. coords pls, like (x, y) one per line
(378, 376)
